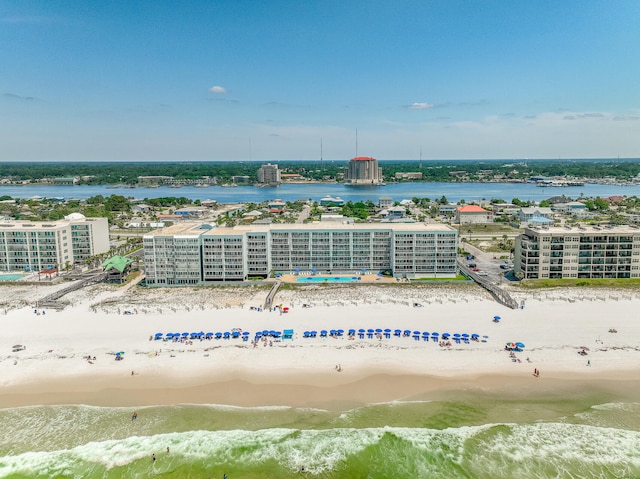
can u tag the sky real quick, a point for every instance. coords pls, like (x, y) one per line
(296, 80)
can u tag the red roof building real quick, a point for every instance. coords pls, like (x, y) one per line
(468, 214)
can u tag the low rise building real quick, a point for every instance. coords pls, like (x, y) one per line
(194, 253)
(41, 245)
(578, 252)
(473, 214)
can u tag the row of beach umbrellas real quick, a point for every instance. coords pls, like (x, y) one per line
(397, 332)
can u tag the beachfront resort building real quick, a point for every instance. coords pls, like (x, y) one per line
(578, 252)
(363, 170)
(196, 254)
(46, 245)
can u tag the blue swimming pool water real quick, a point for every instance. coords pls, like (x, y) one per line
(11, 277)
(328, 279)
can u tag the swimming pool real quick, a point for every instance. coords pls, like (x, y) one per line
(328, 279)
(11, 277)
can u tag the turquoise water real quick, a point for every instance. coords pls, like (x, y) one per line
(11, 277)
(332, 279)
(467, 438)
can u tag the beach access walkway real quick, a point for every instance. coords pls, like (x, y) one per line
(51, 300)
(499, 294)
(268, 303)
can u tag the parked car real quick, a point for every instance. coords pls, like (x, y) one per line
(472, 265)
(504, 266)
(475, 269)
(483, 273)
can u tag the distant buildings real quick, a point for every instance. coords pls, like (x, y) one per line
(363, 170)
(409, 175)
(578, 252)
(269, 175)
(37, 246)
(193, 253)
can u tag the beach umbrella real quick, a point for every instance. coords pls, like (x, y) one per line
(416, 333)
(511, 345)
(340, 331)
(370, 330)
(407, 332)
(397, 332)
(445, 335)
(497, 318)
(435, 334)
(520, 345)
(425, 333)
(465, 335)
(456, 335)
(387, 330)
(265, 332)
(475, 335)
(185, 335)
(378, 330)
(314, 271)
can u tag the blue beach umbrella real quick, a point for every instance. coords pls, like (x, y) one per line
(520, 345)
(445, 335)
(465, 335)
(185, 335)
(435, 334)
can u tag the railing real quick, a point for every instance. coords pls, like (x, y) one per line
(500, 295)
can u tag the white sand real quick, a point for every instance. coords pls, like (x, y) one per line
(554, 325)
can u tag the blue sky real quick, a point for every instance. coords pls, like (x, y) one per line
(239, 80)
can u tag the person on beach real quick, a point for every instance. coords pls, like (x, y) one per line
(134, 416)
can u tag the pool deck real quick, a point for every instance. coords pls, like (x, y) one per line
(318, 278)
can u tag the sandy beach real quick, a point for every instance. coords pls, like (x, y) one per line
(57, 365)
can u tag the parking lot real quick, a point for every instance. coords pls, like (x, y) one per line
(487, 263)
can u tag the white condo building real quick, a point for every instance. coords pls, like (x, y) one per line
(40, 245)
(578, 252)
(194, 253)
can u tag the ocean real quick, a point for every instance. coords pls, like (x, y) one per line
(467, 436)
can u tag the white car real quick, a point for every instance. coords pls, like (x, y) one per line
(482, 273)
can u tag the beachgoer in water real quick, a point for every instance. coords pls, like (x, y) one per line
(167, 449)
(153, 457)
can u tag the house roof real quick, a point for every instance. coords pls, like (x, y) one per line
(117, 262)
(471, 209)
(362, 158)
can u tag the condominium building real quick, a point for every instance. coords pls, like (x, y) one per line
(578, 252)
(199, 253)
(363, 170)
(36, 246)
(269, 174)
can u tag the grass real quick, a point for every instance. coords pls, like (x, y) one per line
(625, 283)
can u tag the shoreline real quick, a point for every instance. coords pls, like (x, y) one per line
(324, 391)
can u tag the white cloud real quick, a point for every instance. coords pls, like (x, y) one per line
(420, 106)
(217, 89)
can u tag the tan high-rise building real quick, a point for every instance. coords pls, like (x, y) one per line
(363, 170)
(269, 174)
